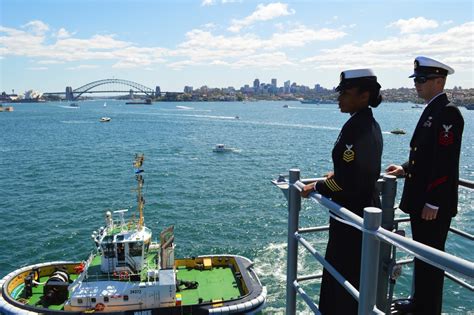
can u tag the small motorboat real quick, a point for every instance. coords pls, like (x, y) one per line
(105, 119)
(285, 106)
(398, 131)
(220, 148)
(75, 105)
(237, 117)
(417, 106)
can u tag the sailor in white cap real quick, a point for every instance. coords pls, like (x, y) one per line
(430, 193)
(356, 160)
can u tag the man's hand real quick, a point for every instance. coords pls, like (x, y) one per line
(396, 170)
(429, 213)
(307, 190)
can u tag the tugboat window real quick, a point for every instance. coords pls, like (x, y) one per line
(106, 298)
(108, 247)
(79, 301)
(135, 249)
(93, 300)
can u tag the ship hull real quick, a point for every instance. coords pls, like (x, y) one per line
(244, 293)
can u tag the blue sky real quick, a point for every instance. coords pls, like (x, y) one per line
(47, 45)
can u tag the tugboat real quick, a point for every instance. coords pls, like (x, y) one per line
(129, 273)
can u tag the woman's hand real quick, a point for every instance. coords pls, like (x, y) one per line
(307, 190)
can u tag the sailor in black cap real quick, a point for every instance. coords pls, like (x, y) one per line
(430, 193)
(356, 159)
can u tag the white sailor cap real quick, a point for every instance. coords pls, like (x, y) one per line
(356, 77)
(427, 67)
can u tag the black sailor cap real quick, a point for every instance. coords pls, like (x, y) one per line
(356, 77)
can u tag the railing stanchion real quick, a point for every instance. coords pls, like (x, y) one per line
(389, 192)
(294, 207)
(369, 261)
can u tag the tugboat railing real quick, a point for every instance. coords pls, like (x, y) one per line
(377, 239)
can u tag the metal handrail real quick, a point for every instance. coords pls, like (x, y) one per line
(373, 233)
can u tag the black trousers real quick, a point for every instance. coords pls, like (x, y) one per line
(343, 253)
(429, 280)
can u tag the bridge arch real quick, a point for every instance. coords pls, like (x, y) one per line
(89, 86)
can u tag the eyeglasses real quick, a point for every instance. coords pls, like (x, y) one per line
(422, 80)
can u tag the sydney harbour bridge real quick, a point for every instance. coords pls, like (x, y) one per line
(108, 86)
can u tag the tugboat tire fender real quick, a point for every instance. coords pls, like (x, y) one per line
(99, 307)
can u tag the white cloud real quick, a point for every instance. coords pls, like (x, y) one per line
(37, 27)
(262, 13)
(453, 46)
(63, 33)
(208, 2)
(81, 67)
(37, 68)
(413, 25)
(50, 62)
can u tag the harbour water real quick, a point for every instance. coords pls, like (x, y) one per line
(61, 169)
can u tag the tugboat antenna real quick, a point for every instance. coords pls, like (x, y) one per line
(139, 158)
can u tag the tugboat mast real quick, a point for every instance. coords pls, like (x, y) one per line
(139, 158)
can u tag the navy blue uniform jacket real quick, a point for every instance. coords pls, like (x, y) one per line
(356, 157)
(432, 171)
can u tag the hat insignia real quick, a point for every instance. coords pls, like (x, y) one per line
(417, 64)
(349, 154)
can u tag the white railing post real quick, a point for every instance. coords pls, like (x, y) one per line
(294, 207)
(369, 261)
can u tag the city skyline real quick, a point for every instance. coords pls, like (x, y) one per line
(47, 45)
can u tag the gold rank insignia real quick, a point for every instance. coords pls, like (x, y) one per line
(349, 154)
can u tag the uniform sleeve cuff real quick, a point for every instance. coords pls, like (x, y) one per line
(429, 205)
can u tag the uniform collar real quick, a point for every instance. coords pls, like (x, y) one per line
(434, 97)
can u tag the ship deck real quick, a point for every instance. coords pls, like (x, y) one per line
(216, 284)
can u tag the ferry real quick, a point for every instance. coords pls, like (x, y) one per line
(221, 148)
(130, 273)
(105, 119)
(469, 106)
(145, 102)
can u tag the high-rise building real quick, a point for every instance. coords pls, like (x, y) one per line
(256, 84)
(188, 89)
(157, 91)
(286, 87)
(274, 83)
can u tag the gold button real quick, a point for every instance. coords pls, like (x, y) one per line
(409, 175)
(412, 162)
(415, 148)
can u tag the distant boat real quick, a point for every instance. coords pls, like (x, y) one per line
(105, 119)
(310, 101)
(74, 105)
(417, 106)
(398, 131)
(6, 108)
(237, 117)
(469, 106)
(285, 106)
(145, 102)
(183, 107)
(220, 148)
(105, 104)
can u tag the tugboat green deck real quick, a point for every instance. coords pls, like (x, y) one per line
(128, 272)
